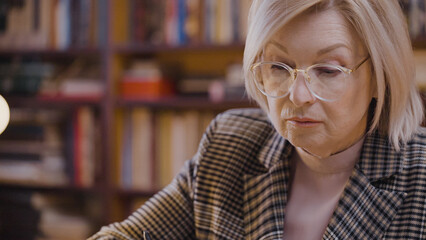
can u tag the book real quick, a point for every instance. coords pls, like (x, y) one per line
(87, 123)
(126, 158)
(185, 138)
(142, 147)
(145, 79)
(163, 146)
(58, 219)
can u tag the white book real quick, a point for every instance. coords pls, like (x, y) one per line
(179, 141)
(224, 21)
(142, 168)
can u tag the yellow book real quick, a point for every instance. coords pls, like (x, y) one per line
(192, 122)
(163, 148)
(120, 16)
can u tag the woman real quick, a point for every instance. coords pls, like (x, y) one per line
(336, 151)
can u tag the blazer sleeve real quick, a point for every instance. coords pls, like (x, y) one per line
(169, 213)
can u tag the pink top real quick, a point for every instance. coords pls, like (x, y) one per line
(315, 189)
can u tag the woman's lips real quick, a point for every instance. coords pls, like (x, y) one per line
(303, 122)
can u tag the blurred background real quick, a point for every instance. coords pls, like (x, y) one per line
(108, 98)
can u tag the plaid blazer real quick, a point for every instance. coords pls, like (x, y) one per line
(235, 187)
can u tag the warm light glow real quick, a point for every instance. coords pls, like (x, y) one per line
(4, 114)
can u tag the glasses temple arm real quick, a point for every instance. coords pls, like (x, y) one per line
(359, 65)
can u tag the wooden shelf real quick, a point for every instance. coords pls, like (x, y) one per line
(38, 101)
(131, 193)
(51, 53)
(46, 188)
(199, 103)
(141, 49)
(419, 43)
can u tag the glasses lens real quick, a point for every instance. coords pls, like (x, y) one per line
(272, 79)
(327, 82)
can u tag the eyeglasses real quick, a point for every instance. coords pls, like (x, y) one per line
(325, 81)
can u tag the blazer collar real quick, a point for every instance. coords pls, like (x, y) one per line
(363, 208)
(378, 158)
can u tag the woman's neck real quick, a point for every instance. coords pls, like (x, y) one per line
(340, 162)
(325, 178)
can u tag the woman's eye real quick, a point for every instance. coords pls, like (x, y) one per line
(326, 71)
(277, 67)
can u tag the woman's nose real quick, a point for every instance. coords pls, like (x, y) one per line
(299, 91)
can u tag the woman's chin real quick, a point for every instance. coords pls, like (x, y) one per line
(312, 148)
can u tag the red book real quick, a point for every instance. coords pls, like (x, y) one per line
(77, 148)
(135, 87)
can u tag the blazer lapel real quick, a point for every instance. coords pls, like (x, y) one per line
(265, 191)
(365, 211)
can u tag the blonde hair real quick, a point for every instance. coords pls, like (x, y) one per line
(382, 28)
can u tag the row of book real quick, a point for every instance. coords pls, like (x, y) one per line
(177, 22)
(415, 11)
(52, 24)
(146, 162)
(31, 215)
(49, 147)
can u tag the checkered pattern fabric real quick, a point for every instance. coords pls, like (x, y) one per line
(235, 187)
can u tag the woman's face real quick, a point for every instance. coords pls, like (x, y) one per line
(321, 128)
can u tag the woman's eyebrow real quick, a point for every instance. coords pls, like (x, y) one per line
(319, 53)
(331, 48)
(279, 46)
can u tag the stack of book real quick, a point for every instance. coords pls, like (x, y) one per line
(145, 79)
(31, 148)
(24, 78)
(81, 79)
(49, 147)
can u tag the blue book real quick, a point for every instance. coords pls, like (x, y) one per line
(102, 22)
(126, 161)
(235, 16)
(182, 14)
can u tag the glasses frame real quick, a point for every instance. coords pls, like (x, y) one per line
(295, 71)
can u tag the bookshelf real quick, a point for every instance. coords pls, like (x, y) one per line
(111, 46)
(43, 46)
(116, 48)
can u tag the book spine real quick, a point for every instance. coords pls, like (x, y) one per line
(182, 16)
(102, 22)
(126, 164)
(77, 133)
